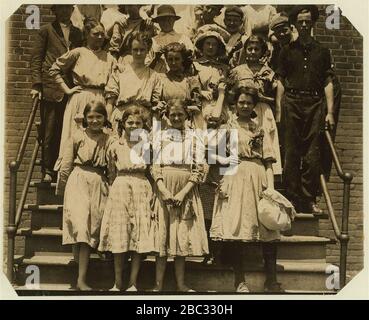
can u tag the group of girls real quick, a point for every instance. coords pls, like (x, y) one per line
(114, 204)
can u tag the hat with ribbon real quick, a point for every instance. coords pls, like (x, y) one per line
(211, 30)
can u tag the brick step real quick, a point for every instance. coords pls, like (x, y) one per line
(59, 269)
(291, 247)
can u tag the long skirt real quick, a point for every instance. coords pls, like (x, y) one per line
(235, 215)
(73, 116)
(127, 217)
(179, 231)
(84, 202)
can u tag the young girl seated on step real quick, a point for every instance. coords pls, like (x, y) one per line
(85, 186)
(127, 217)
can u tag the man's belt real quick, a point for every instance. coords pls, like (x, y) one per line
(311, 93)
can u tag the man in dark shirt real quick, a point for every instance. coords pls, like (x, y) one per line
(305, 80)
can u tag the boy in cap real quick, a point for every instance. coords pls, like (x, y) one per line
(166, 18)
(305, 82)
(119, 45)
(205, 14)
(233, 20)
(52, 41)
(281, 35)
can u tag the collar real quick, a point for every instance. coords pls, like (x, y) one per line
(175, 76)
(237, 34)
(310, 45)
(65, 25)
(252, 117)
(171, 33)
(264, 70)
(204, 60)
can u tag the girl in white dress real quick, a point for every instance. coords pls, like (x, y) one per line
(82, 176)
(127, 217)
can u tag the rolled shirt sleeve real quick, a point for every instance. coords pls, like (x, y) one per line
(63, 64)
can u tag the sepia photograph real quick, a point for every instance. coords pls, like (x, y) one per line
(195, 149)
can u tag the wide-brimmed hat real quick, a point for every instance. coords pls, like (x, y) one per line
(211, 30)
(165, 11)
(297, 9)
(280, 19)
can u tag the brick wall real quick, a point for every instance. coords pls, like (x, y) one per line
(346, 46)
(18, 105)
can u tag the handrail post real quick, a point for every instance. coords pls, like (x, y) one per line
(344, 233)
(11, 228)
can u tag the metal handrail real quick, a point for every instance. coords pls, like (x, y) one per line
(14, 212)
(343, 175)
(23, 197)
(328, 201)
(341, 234)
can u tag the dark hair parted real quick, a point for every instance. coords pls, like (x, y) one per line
(249, 91)
(142, 37)
(175, 102)
(89, 23)
(99, 107)
(181, 48)
(255, 38)
(133, 110)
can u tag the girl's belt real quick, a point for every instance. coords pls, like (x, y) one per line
(99, 170)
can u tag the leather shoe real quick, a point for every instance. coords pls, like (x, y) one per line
(273, 287)
(314, 209)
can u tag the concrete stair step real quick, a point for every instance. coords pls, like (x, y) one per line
(65, 289)
(44, 207)
(45, 215)
(301, 276)
(46, 193)
(42, 239)
(50, 215)
(289, 247)
(43, 185)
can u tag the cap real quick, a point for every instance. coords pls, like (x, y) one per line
(279, 19)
